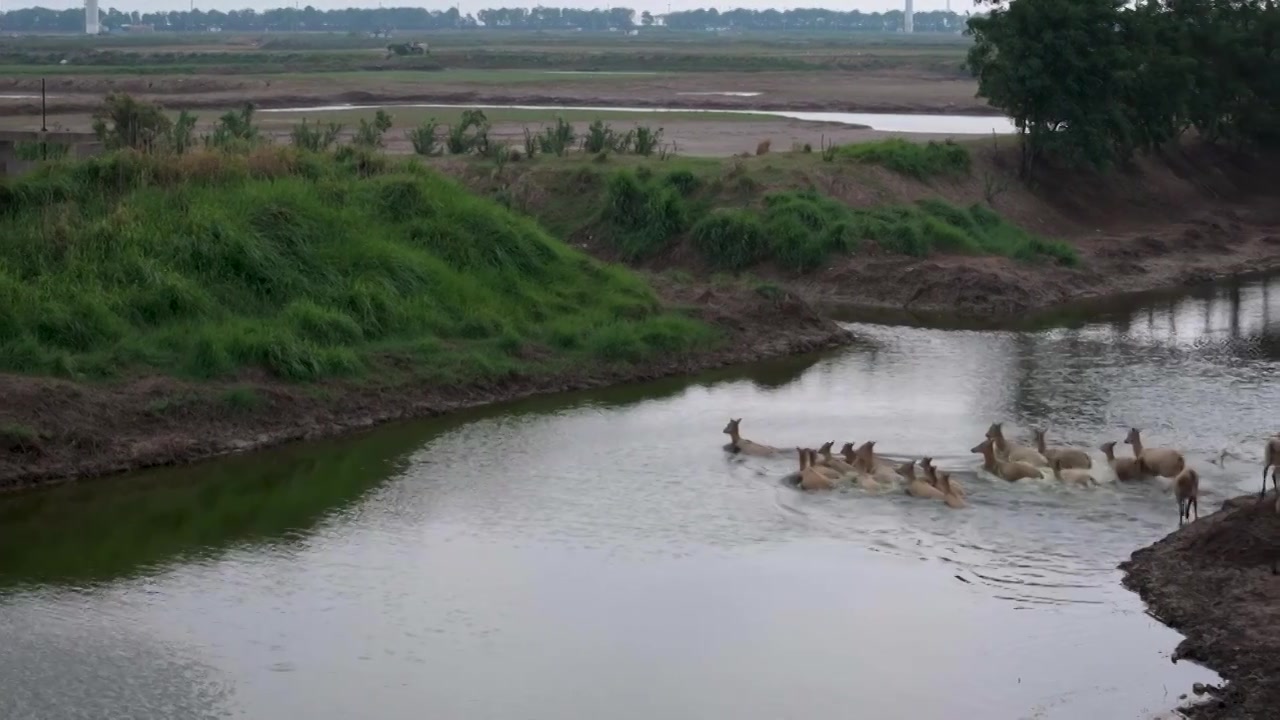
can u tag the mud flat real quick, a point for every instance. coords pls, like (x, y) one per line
(1213, 582)
(891, 91)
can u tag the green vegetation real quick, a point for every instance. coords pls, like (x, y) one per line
(918, 160)
(645, 213)
(1129, 78)
(305, 265)
(799, 231)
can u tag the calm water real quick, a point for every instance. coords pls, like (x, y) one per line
(888, 122)
(597, 556)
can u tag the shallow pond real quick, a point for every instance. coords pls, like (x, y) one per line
(888, 122)
(597, 555)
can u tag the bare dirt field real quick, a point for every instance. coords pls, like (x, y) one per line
(898, 90)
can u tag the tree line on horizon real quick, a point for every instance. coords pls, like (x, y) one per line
(311, 19)
(1095, 82)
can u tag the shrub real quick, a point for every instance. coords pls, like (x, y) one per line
(917, 160)
(315, 137)
(123, 122)
(423, 138)
(643, 215)
(369, 134)
(730, 239)
(557, 139)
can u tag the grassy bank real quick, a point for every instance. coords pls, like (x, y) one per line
(794, 212)
(304, 266)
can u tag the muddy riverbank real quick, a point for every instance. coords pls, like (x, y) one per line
(55, 430)
(1216, 245)
(1213, 581)
(877, 92)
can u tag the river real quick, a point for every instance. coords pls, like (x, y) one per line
(597, 555)
(886, 122)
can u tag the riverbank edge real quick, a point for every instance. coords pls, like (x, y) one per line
(1216, 607)
(77, 431)
(1031, 296)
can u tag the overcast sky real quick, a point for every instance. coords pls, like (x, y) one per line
(654, 6)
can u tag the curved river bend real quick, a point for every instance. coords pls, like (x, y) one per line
(598, 556)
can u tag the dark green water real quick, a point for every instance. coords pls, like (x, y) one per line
(596, 555)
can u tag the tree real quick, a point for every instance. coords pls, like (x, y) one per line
(1059, 69)
(646, 18)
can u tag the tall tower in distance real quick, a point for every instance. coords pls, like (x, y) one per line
(908, 22)
(91, 17)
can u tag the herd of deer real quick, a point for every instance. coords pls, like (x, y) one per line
(821, 470)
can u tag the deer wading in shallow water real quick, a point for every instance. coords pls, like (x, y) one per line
(740, 445)
(918, 486)
(1270, 459)
(1186, 486)
(1071, 457)
(953, 499)
(1007, 450)
(1075, 476)
(810, 479)
(1156, 461)
(1004, 469)
(1125, 468)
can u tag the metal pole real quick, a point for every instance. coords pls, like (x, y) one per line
(44, 125)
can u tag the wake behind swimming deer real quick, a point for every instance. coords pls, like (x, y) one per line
(1270, 459)
(1186, 486)
(1008, 450)
(1071, 458)
(1125, 468)
(1164, 462)
(740, 445)
(1010, 470)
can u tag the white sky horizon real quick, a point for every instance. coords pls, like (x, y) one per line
(472, 6)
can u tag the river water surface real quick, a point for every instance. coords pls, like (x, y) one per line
(886, 122)
(598, 556)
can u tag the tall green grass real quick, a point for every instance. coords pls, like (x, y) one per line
(921, 161)
(303, 265)
(644, 212)
(800, 231)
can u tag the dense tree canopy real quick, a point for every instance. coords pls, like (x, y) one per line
(1094, 81)
(415, 18)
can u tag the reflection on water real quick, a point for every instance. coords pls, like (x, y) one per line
(596, 555)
